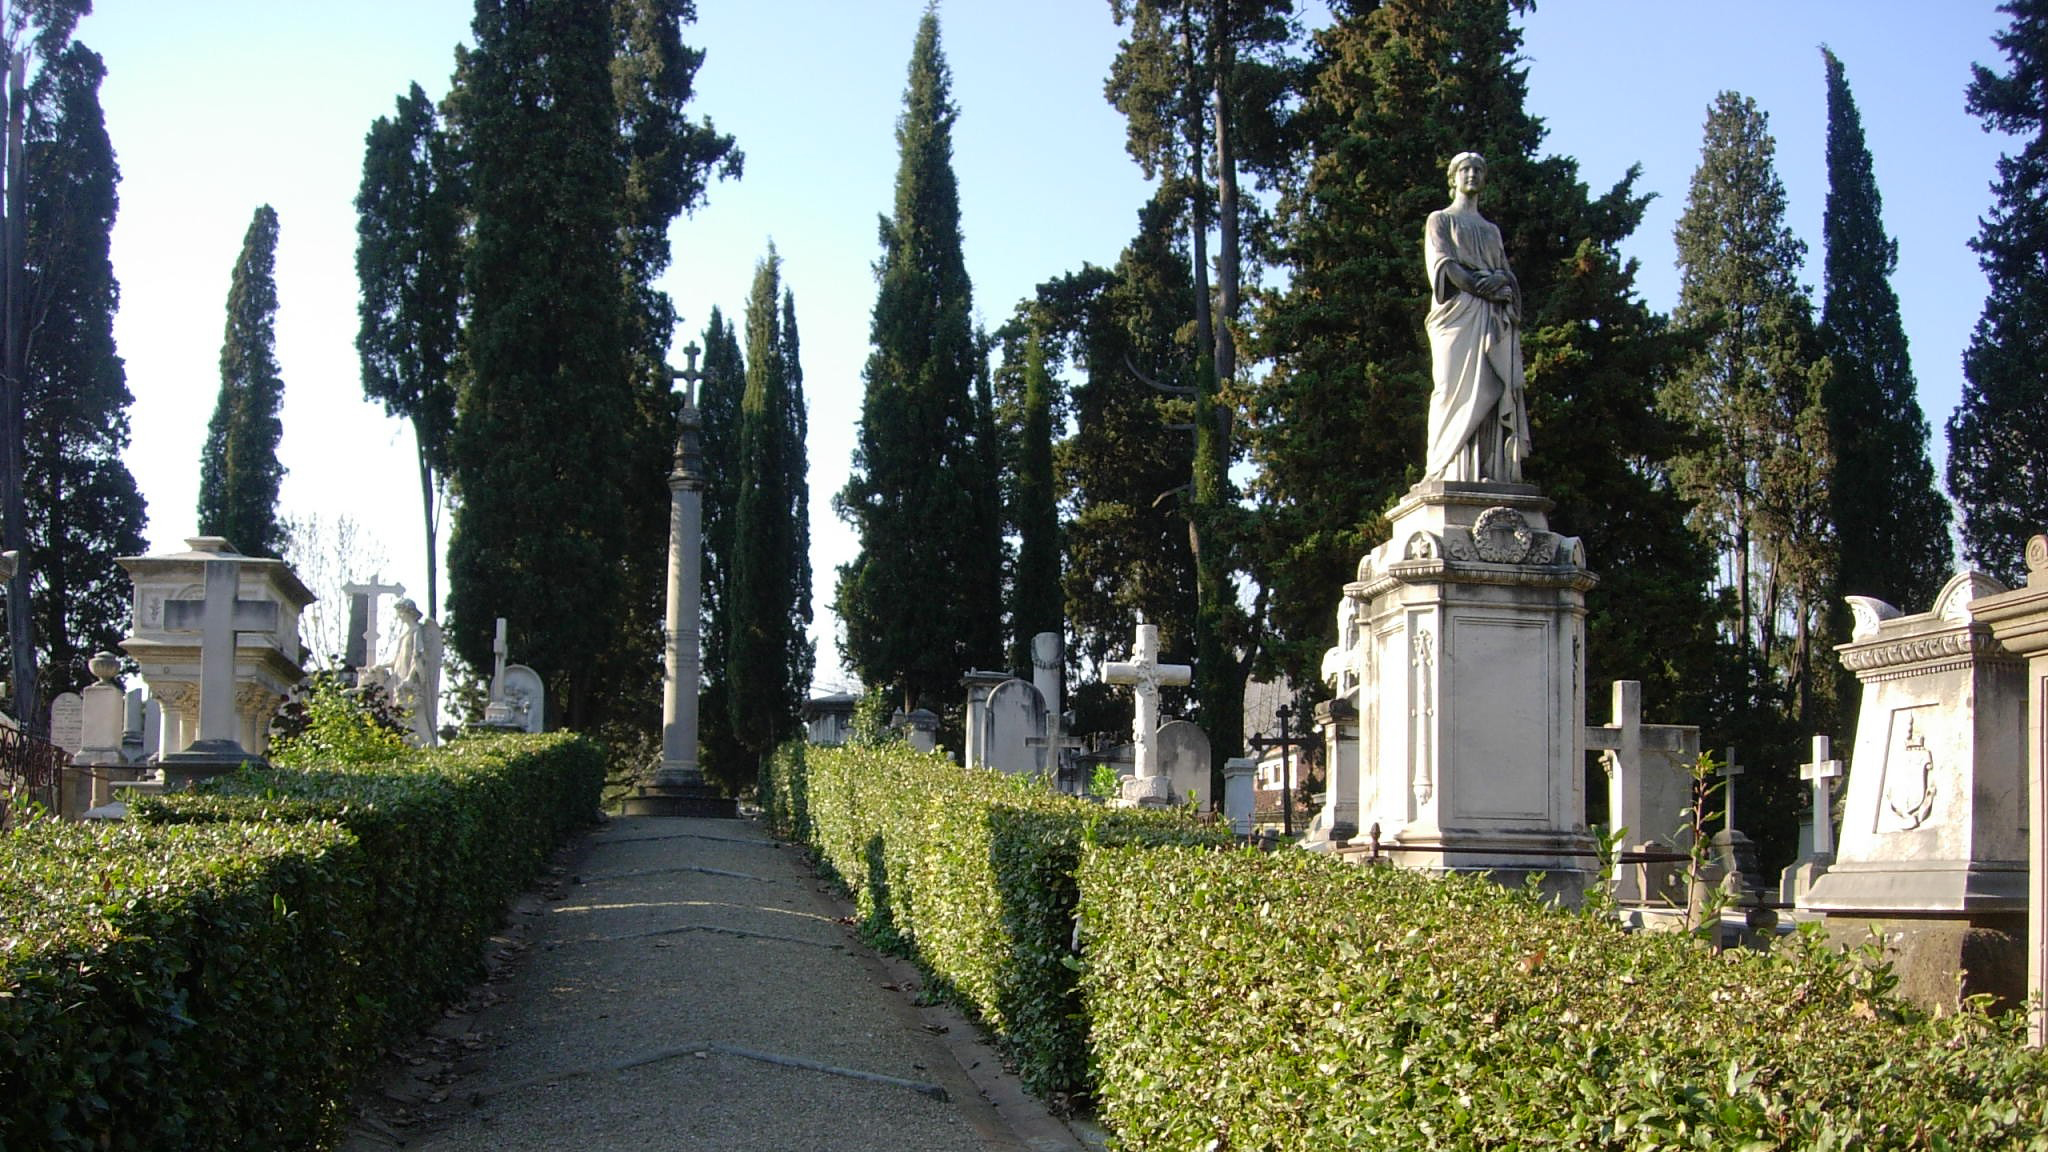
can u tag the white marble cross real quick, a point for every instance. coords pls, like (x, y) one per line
(218, 620)
(689, 375)
(1146, 675)
(370, 593)
(1820, 771)
(498, 651)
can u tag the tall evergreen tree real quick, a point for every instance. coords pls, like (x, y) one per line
(239, 473)
(769, 656)
(409, 265)
(1397, 89)
(576, 155)
(1891, 522)
(922, 601)
(1997, 441)
(1035, 581)
(38, 32)
(719, 395)
(1759, 466)
(1200, 86)
(84, 508)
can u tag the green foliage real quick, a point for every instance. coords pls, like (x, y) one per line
(409, 265)
(1289, 1001)
(327, 723)
(1997, 442)
(238, 470)
(719, 395)
(576, 157)
(1891, 523)
(971, 873)
(83, 506)
(218, 972)
(922, 600)
(769, 657)
(1035, 581)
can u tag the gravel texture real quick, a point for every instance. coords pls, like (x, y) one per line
(683, 984)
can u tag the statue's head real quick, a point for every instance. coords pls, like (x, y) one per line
(407, 610)
(1471, 162)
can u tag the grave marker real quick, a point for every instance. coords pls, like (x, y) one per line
(1146, 675)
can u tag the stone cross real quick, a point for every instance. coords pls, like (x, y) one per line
(218, 620)
(499, 649)
(1820, 771)
(1146, 675)
(370, 592)
(1622, 742)
(689, 374)
(1729, 772)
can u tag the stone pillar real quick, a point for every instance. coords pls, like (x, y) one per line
(1472, 706)
(1239, 794)
(1337, 722)
(2019, 620)
(106, 714)
(675, 786)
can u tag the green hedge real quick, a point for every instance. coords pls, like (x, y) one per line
(1288, 1001)
(972, 874)
(217, 972)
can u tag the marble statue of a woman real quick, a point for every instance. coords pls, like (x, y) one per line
(1478, 417)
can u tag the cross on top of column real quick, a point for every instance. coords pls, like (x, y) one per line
(1822, 769)
(688, 375)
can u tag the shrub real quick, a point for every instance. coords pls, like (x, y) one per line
(971, 873)
(1288, 1001)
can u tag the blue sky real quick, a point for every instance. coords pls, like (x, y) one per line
(217, 106)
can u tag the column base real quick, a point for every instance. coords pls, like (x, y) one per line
(698, 800)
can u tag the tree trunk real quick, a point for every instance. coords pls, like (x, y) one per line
(14, 350)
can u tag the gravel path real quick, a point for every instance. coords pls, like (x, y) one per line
(687, 984)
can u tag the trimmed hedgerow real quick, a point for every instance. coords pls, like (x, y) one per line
(449, 836)
(178, 987)
(971, 873)
(1288, 1001)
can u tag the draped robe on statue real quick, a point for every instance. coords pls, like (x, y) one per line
(1478, 419)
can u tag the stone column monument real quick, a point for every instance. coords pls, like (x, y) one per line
(676, 785)
(1146, 675)
(1471, 617)
(2019, 621)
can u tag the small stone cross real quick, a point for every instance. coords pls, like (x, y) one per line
(1146, 675)
(218, 620)
(1820, 771)
(688, 375)
(499, 649)
(1729, 772)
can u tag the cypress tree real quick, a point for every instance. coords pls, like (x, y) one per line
(768, 658)
(84, 508)
(1890, 520)
(921, 602)
(1997, 441)
(238, 470)
(409, 265)
(718, 404)
(1035, 585)
(1758, 469)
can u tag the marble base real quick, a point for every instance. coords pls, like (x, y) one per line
(202, 761)
(669, 800)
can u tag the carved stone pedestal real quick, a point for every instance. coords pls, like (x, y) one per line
(1472, 695)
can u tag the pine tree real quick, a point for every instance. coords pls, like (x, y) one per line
(576, 156)
(1759, 467)
(1997, 441)
(1892, 523)
(239, 473)
(1397, 90)
(409, 264)
(718, 404)
(922, 600)
(769, 657)
(84, 508)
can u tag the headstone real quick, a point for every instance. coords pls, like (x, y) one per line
(1734, 851)
(1048, 665)
(216, 638)
(1649, 790)
(1337, 823)
(978, 686)
(1146, 675)
(1933, 849)
(920, 728)
(1013, 718)
(1797, 879)
(1184, 761)
(67, 721)
(154, 731)
(526, 697)
(499, 711)
(1239, 793)
(362, 620)
(2019, 621)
